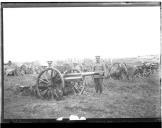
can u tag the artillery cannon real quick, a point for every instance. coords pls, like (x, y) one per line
(52, 84)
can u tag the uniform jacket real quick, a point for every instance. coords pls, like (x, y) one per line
(100, 68)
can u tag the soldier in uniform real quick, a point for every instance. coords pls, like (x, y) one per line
(49, 63)
(98, 79)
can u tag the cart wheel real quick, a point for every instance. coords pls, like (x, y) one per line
(50, 84)
(78, 86)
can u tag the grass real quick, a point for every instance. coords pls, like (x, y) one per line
(120, 99)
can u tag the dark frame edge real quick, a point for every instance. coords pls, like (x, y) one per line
(89, 120)
(160, 53)
(11, 5)
(2, 77)
(80, 4)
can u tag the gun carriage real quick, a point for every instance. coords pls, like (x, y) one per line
(51, 83)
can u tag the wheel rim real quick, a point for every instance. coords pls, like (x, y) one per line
(50, 84)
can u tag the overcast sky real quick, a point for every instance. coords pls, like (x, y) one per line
(59, 33)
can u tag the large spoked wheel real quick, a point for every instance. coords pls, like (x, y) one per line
(50, 84)
(77, 85)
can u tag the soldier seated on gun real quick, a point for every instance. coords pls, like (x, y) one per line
(98, 79)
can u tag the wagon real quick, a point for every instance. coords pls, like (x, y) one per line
(51, 84)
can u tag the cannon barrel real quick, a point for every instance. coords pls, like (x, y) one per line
(82, 74)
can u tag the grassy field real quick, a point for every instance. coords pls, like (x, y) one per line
(120, 99)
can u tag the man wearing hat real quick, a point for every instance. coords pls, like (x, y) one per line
(98, 79)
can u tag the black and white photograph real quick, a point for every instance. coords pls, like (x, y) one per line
(81, 61)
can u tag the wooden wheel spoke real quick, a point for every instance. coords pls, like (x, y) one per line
(48, 82)
(48, 94)
(51, 94)
(42, 88)
(45, 77)
(44, 92)
(42, 80)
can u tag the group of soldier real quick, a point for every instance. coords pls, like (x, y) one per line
(13, 69)
(100, 67)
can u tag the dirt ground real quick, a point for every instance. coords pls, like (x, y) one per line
(120, 99)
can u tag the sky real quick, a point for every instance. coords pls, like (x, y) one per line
(82, 32)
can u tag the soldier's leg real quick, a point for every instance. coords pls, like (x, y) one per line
(100, 85)
(96, 84)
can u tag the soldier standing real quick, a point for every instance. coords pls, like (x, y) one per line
(98, 79)
(49, 63)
